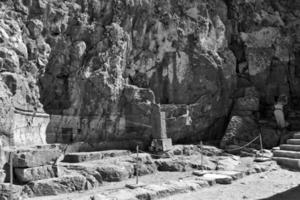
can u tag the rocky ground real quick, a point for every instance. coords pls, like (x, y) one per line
(191, 186)
(104, 174)
(272, 185)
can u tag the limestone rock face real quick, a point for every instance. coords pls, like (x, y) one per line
(178, 50)
(98, 67)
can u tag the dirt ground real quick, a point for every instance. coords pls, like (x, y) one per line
(274, 185)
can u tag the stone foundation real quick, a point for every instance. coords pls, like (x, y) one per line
(161, 145)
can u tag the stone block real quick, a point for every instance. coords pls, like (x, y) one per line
(97, 155)
(35, 157)
(161, 144)
(25, 175)
(234, 174)
(221, 179)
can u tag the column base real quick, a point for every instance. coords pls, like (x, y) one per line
(159, 145)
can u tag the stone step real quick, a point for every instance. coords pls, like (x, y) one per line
(296, 135)
(293, 141)
(288, 162)
(287, 154)
(290, 147)
(96, 155)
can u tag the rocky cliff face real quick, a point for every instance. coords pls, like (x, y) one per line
(91, 64)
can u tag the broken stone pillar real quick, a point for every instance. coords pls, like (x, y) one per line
(160, 140)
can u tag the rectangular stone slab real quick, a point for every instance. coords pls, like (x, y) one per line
(218, 178)
(35, 157)
(96, 155)
(25, 175)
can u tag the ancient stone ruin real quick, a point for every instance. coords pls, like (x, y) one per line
(85, 80)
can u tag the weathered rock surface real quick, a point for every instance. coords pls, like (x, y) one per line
(240, 130)
(185, 163)
(5, 191)
(113, 173)
(84, 53)
(2, 176)
(25, 175)
(54, 186)
(90, 156)
(35, 157)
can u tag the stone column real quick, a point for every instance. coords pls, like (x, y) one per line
(160, 140)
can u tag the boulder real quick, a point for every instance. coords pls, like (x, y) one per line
(114, 173)
(171, 165)
(145, 169)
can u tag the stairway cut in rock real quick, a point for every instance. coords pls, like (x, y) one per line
(290, 147)
(289, 154)
(293, 141)
(297, 136)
